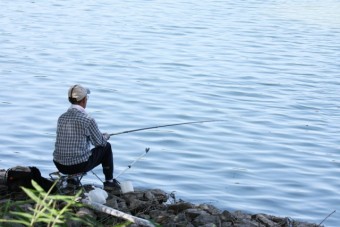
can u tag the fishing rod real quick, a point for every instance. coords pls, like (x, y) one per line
(129, 166)
(161, 126)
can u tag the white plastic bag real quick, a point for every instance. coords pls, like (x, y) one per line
(97, 195)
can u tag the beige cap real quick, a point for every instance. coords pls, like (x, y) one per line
(78, 92)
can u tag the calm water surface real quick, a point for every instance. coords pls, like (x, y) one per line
(270, 69)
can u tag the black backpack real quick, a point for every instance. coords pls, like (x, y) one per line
(22, 176)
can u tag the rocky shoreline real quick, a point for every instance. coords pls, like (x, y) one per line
(155, 207)
(163, 208)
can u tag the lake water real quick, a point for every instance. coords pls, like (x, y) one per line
(270, 69)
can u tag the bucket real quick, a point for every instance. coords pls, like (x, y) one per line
(126, 186)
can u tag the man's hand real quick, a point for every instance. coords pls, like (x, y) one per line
(106, 136)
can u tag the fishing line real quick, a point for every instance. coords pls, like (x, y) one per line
(161, 126)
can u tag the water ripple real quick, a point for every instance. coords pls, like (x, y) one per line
(271, 74)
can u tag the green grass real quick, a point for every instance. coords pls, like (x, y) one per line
(47, 210)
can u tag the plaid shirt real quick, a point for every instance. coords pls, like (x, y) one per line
(76, 131)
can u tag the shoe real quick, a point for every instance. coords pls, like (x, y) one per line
(114, 185)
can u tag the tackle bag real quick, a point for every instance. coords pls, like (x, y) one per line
(22, 176)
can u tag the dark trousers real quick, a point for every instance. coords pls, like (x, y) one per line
(100, 155)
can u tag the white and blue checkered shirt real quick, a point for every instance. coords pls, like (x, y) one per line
(76, 131)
